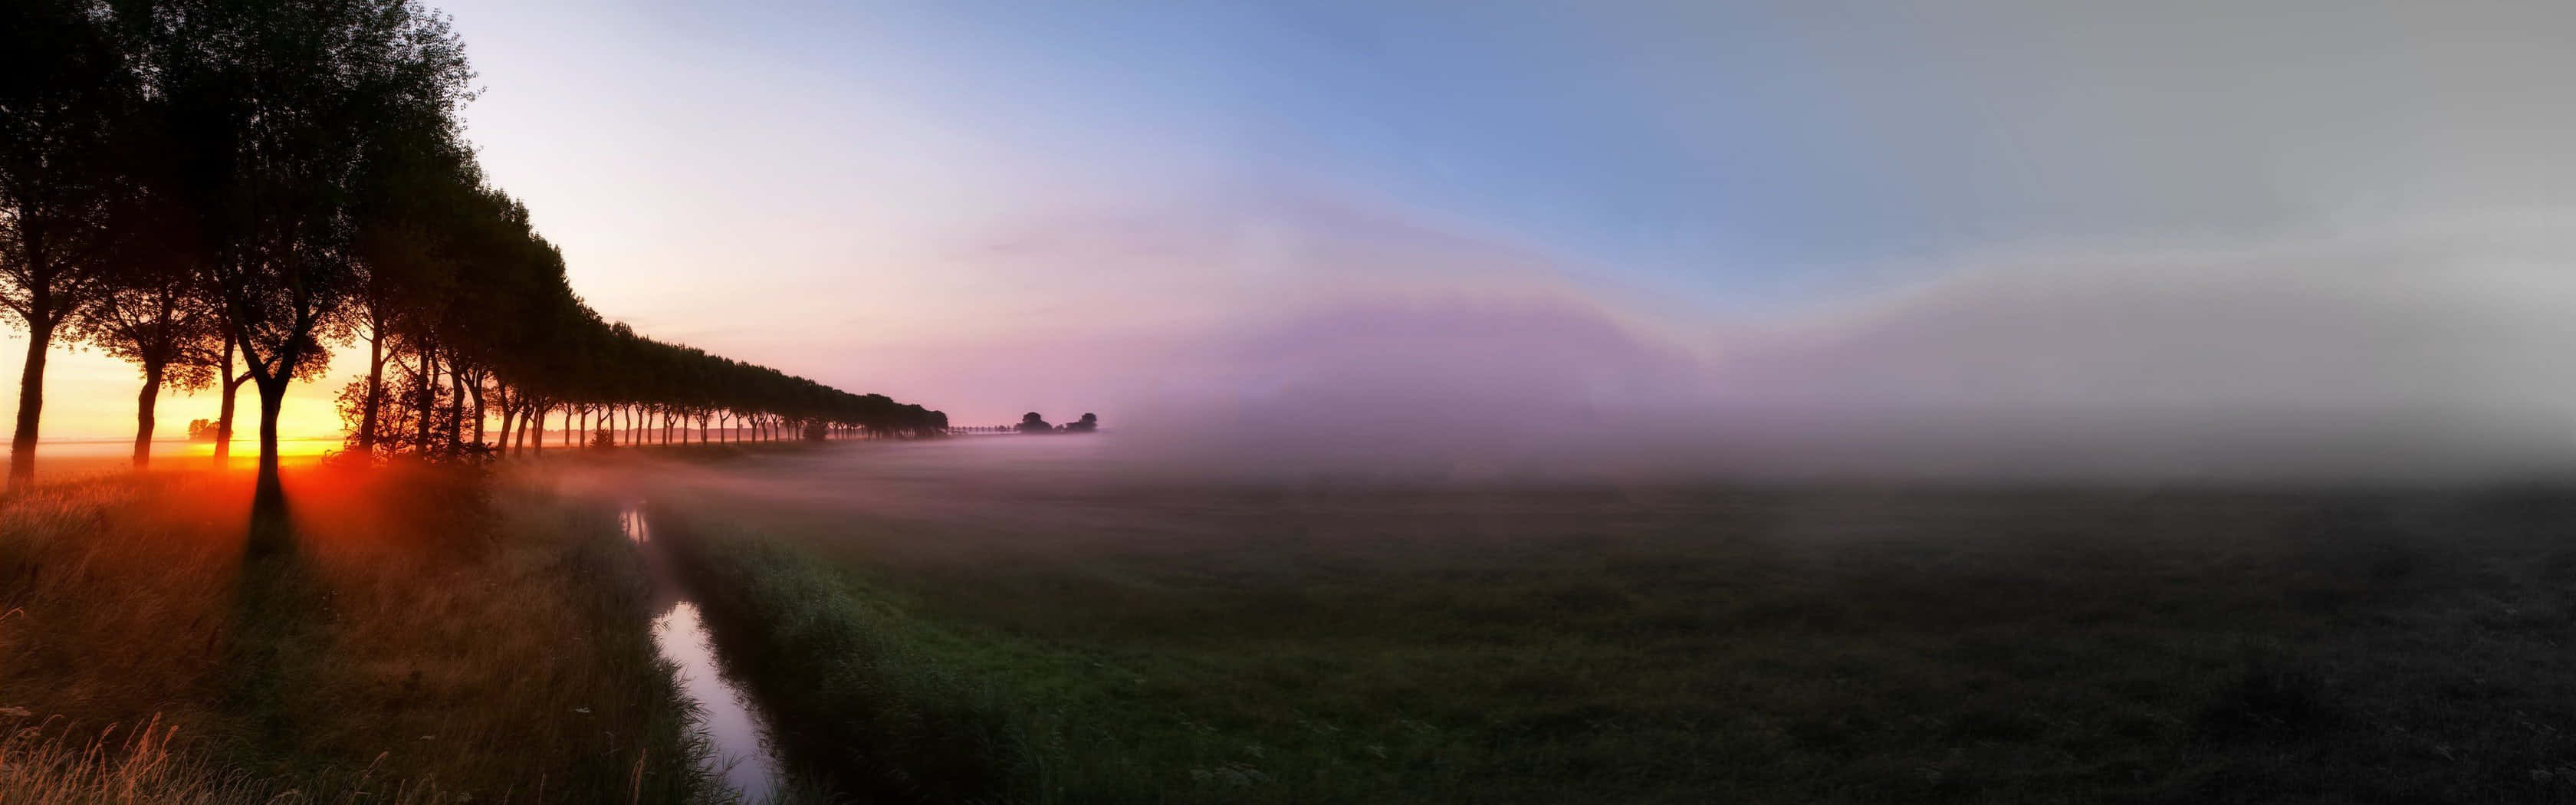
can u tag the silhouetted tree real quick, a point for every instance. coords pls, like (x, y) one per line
(68, 101)
(224, 190)
(154, 315)
(280, 107)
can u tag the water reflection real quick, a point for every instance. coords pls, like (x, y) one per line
(727, 715)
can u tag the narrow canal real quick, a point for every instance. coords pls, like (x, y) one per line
(727, 715)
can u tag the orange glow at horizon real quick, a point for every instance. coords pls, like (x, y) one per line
(91, 397)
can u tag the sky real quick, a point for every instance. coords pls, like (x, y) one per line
(2109, 229)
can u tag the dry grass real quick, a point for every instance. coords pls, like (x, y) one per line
(432, 635)
(43, 766)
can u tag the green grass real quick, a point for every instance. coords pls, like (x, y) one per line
(1678, 645)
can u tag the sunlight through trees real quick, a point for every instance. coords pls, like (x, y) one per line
(223, 192)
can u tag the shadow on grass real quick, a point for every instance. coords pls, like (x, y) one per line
(281, 640)
(278, 635)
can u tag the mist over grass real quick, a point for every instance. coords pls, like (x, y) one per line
(2414, 354)
(1119, 635)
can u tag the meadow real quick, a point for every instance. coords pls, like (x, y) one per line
(434, 636)
(1031, 627)
(1026, 620)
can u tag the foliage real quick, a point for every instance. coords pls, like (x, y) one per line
(69, 96)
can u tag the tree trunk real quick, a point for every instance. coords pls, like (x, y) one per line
(424, 404)
(144, 401)
(31, 405)
(375, 393)
(509, 418)
(228, 385)
(268, 532)
(456, 407)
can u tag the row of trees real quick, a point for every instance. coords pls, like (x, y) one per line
(223, 190)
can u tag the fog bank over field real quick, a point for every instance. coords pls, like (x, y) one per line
(2433, 353)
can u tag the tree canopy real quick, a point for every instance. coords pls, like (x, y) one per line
(187, 183)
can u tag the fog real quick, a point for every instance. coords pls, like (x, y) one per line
(2430, 354)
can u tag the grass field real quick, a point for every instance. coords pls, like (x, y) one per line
(1097, 641)
(1028, 621)
(433, 637)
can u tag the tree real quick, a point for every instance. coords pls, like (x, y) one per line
(1033, 423)
(415, 215)
(66, 101)
(154, 315)
(280, 106)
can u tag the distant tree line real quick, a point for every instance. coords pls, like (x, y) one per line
(221, 191)
(1033, 422)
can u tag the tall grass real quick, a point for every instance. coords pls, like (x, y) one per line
(870, 716)
(42, 766)
(893, 706)
(443, 633)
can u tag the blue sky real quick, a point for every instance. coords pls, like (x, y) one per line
(1549, 126)
(1717, 150)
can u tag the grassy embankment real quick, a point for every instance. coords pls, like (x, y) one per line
(1681, 646)
(432, 637)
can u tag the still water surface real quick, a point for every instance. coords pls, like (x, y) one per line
(726, 713)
